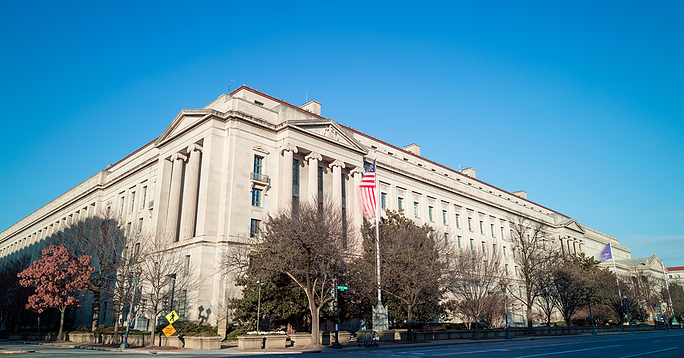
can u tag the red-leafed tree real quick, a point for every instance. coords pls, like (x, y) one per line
(56, 277)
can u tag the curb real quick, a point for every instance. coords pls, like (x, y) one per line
(96, 348)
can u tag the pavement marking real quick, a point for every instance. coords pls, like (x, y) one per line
(572, 351)
(645, 353)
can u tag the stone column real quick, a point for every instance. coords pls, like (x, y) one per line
(288, 152)
(313, 158)
(337, 167)
(357, 174)
(190, 192)
(175, 196)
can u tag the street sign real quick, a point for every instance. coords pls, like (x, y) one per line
(172, 317)
(342, 288)
(169, 330)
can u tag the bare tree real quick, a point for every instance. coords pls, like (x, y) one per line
(569, 290)
(308, 244)
(647, 288)
(473, 278)
(546, 301)
(412, 263)
(166, 274)
(103, 238)
(535, 256)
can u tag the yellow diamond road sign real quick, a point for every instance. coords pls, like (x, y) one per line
(169, 330)
(172, 317)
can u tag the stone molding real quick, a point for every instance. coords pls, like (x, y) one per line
(336, 163)
(314, 155)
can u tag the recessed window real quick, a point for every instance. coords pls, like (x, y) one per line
(430, 213)
(458, 221)
(132, 201)
(446, 238)
(254, 228)
(258, 164)
(472, 244)
(481, 227)
(491, 227)
(470, 224)
(444, 217)
(383, 200)
(415, 209)
(459, 242)
(144, 197)
(256, 197)
(258, 103)
(400, 204)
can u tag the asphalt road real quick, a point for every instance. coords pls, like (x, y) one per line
(659, 344)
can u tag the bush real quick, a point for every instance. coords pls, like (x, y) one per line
(235, 332)
(191, 329)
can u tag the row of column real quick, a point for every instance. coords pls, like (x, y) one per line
(336, 167)
(182, 204)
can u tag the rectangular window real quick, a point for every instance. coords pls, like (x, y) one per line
(502, 234)
(258, 164)
(459, 242)
(320, 179)
(295, 178)
(121, 207)
(144, 197)
(128, 230)
(140, 223)
(432, 234)
(484, 249)
(254, 228)
(494, 249)
(344, 191)
(504, 251)
(444, 217)
(516, 271)
(506, 269)
(458, 222)
(446, 238)
(472, 244)
(430, 215)
(383, 200)
(415, 209)
(481, 227)
(400, 204)
(491, 226)
(132, 201)
(470, 224)
(186, 268)
(256, 197)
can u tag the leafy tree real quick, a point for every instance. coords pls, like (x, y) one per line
(308, 244)
(473, 278)
(535, 256)
(411, 263)
(56, 277)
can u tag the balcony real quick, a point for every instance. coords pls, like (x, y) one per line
(259, 181)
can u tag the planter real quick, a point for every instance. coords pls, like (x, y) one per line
(384, 336)
(83, 338)
(429, 335)
(418, 336)
(203, 343)
(403, 336)
(277, 341)
(454, 334)
(300, 340)
(251, 342)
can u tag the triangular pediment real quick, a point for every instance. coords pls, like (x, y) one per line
(572, 224)
(331, 131)
(185, 120)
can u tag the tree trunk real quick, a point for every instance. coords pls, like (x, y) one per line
(530, 330)
(61, 323)
(153, 326)
(409, 320)
(96, 310)
(115, 337)
(315, 323)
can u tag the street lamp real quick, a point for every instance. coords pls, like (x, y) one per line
(503, 288)
(124, 344)
(591, 315)
(258, 307)
(629, 319)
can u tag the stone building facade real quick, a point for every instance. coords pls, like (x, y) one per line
(214, 173)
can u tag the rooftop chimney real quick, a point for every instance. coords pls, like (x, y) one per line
(521, 194)
(469, 172)
(413, 148)
(313, 107)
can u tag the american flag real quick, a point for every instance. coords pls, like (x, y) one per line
(367, 189)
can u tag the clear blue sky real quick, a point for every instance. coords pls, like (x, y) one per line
(580, 103)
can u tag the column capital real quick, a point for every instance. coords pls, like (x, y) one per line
(194, 147)
(288, 147)
(314, 155)
(357, 170)
(336, 163)
(177, 156)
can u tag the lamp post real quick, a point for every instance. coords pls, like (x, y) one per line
(591, 315)
(629, 319)
(124, 344)
(258, 307)
(503, 288)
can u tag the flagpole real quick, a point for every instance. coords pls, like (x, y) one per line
(610, 244)
(377, 227)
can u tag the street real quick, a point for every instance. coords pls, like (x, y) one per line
(626, 345)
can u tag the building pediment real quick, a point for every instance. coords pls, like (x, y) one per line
(185, 120)
(572, 224)
(331, 131)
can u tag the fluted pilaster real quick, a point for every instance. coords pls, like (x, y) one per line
(173, 212)
(190, 192)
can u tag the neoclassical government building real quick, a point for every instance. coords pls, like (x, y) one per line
(214, 173)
